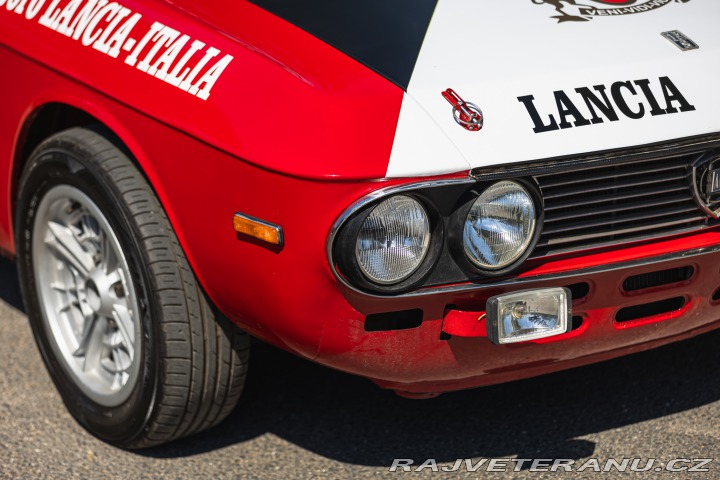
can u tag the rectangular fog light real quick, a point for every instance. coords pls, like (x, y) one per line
(528, 315)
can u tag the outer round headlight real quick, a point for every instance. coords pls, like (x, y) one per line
(393, 240)
(500, 226)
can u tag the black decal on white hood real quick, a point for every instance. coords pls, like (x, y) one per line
(632, 102)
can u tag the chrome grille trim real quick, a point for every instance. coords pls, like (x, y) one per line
(614, 203)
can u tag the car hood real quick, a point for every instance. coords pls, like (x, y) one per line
(553, 78)
(531, 67)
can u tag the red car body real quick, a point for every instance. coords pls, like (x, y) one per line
(294, 132)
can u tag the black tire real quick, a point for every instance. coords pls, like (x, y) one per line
(193, 361)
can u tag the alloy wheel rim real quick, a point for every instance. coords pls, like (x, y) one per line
(86, 294)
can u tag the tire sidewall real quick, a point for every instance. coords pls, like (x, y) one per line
(63, 160)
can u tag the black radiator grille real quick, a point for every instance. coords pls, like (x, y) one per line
(609, 204)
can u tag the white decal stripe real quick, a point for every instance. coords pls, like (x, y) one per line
(114, 30)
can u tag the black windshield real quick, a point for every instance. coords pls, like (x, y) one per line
(385, 35)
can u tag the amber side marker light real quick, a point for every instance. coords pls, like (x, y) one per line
(253, 227)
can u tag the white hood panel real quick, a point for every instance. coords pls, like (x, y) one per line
(491, 52)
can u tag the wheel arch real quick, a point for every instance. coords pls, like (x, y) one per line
(44, 121)
(53, 117)
(51, 112)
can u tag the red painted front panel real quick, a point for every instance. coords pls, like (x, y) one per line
(418, 360)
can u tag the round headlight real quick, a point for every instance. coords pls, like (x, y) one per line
(500, 226)
(393, 240)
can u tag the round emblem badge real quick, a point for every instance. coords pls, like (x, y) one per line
(706, 184)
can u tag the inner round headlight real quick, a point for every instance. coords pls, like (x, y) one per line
(393, 240)
(500, 225)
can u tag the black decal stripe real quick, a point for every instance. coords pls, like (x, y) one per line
(385, 35)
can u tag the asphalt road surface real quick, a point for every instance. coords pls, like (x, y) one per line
(298, 420)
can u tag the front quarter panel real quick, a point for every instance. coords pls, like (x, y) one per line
(286, 115)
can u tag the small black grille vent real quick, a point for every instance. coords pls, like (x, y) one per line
(404, 320)
(658, 279)
(637, 312)
(609, 204)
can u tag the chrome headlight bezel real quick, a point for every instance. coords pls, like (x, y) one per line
(346, 258)
(385, 213)
(461, 216)
(447, 203)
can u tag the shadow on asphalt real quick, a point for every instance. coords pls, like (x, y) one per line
(348, 419)
(9, 288)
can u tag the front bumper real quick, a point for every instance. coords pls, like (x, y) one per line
(611, 319)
